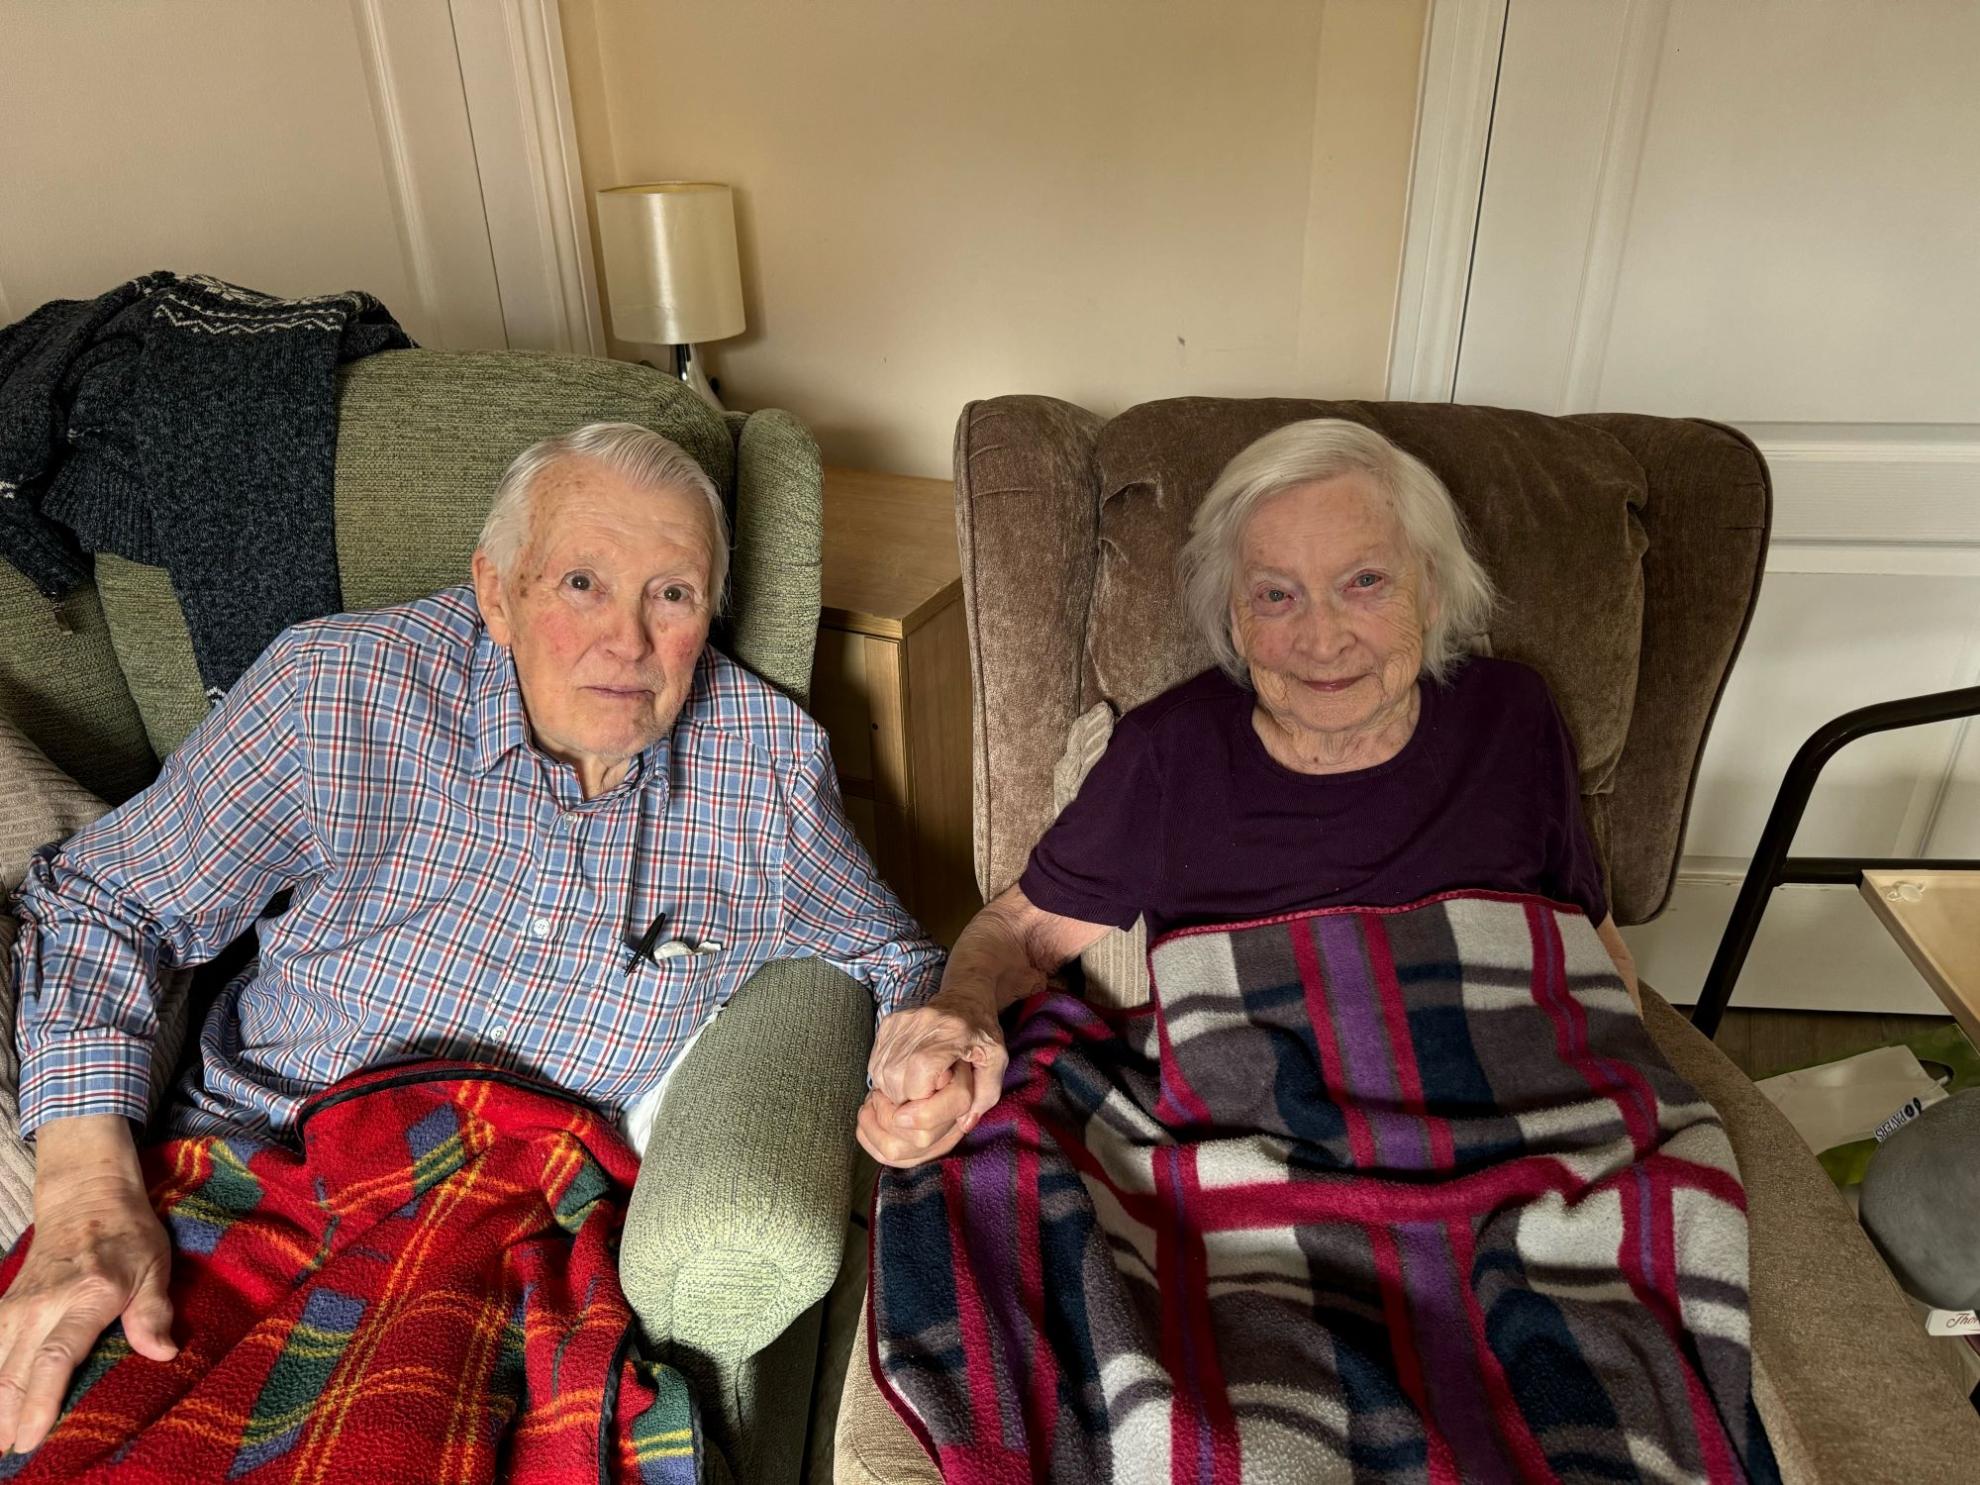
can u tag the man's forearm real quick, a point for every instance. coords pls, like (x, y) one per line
(85, 1147)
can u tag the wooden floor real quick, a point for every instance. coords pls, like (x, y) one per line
(1762, 1043)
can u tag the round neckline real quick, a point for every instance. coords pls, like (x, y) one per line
(1425, 701)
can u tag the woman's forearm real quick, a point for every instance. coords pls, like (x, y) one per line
(991, 964)
(1007, 951)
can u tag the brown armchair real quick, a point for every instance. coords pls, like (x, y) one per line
(1629, 551)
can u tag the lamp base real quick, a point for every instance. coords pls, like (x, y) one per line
(688, 367)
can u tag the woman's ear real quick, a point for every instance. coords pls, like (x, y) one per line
(1429, 603)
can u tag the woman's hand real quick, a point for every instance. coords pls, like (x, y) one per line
(936, 1070)
(99, 1254)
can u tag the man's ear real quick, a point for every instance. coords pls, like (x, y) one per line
(492, 595)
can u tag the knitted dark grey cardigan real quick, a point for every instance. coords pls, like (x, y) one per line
(191, 425)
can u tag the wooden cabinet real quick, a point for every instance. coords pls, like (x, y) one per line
(890, 685)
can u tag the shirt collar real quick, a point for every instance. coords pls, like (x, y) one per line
(496, 709)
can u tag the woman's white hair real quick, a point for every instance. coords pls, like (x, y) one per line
(639, 455)
(1461, 595)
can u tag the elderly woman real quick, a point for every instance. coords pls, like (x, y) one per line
(1388, 1181)
(1345, 750)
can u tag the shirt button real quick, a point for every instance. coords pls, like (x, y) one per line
(539, 927)
(498, 1031)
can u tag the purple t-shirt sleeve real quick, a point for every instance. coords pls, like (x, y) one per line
(1088, 865)
(1574, 871)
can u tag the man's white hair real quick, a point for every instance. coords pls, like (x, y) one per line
(1460, 593)
(639, 455)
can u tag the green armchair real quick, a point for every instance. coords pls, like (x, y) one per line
(737, 1224)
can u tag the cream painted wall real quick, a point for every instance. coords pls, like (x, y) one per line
(229, 137)
(1104, 200)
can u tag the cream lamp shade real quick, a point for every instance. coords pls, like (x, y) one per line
(670, 262)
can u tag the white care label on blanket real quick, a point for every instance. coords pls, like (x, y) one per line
(1953, 1322)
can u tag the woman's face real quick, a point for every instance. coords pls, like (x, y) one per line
(1329, 608)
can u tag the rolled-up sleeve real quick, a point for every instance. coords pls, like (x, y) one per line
(835, 905)
(167, 880)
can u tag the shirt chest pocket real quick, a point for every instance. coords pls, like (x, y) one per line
(692, 964)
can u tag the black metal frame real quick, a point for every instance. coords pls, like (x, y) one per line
(1772, 866)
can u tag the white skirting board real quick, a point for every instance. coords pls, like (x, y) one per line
(1819, 949)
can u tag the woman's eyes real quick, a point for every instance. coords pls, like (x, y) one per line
(1365, 580)
(579, 582)
(676, 593)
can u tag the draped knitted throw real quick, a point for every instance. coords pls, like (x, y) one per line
(187, 424)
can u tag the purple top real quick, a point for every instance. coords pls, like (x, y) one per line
(1187, 819)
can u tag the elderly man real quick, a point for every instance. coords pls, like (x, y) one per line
(539, 823)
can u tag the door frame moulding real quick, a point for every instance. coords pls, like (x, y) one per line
(517, 87)
(1461, 49)
(502, 258)
(1623, 137)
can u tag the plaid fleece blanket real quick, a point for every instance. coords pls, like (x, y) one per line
(427, 1292)
(1395, 1195)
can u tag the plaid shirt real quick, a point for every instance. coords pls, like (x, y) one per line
(453, 893)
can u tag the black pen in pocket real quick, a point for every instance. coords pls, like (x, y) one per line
(644, 949)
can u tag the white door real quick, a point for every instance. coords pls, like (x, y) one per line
(1766, 213)
(410, 148)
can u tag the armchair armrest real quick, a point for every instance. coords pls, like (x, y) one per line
(738, 1219)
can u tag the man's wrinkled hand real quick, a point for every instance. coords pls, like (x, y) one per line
(101, 1255)
(935, 1072)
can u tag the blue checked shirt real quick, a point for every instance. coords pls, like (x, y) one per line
(453, 893)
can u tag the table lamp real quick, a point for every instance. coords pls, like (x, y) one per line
(671, 273)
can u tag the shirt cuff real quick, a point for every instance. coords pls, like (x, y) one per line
(102, 1072)
(914, 988)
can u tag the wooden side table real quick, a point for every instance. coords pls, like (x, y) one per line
(1935, 918)
(890, 684)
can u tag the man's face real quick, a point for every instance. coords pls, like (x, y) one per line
(606, 614)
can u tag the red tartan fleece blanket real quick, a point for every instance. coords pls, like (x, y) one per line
(427, 1292)
(1373, 1195)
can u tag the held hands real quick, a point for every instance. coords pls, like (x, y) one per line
(99, 1254)
(935, 1071)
